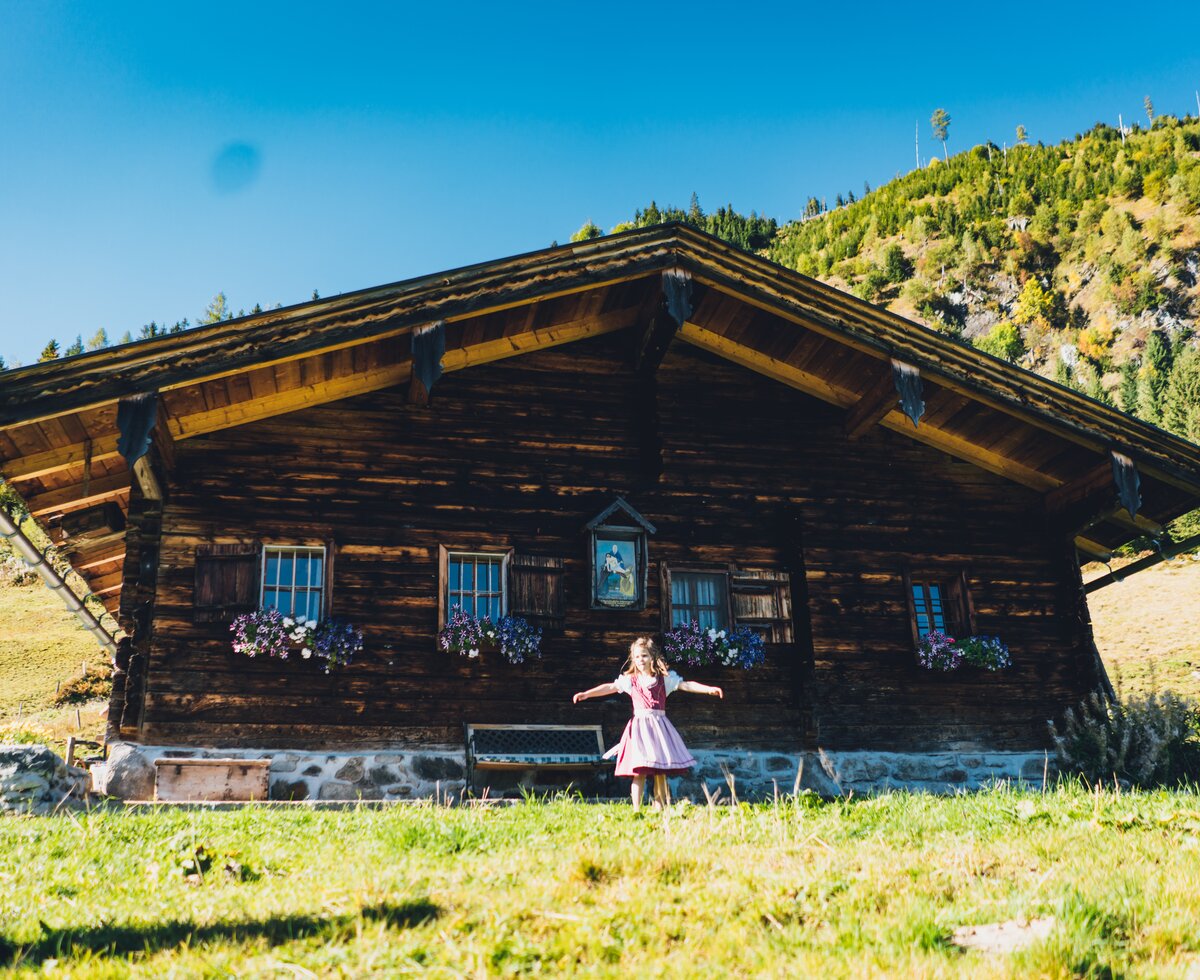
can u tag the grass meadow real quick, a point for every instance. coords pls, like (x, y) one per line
(858, 887)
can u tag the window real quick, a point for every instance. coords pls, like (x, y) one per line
(928, 607)
(939, 600)
(718, 598)
(294, 580)
(477, 581)
(702, 597)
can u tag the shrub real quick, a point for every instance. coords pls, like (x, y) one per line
(95, 685)
(1144, 740)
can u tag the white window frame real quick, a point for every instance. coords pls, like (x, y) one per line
(716, 573)
(449, 555)
(322, 591)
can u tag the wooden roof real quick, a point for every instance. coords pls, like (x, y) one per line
(55, 417)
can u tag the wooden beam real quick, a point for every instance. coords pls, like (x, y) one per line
(291, 400)
(98, 557)
(878, 400)
(1139, 524)
(1093, 549)
(538, 339)
(771, 367)
(674, 308)
(969, 452)
(1096, 481)
(66, 499)
(143, 472)
(53, 460)
(895, 420)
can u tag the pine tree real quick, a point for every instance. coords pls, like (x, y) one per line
(587, 231)
(1181, 401)
(218, 310)
(74, 348)
(940, 121)
(1153, 377)
(1022, 136)
(49, 352)
(1128, 390)
(99, 340)
(3, 364)
(149, 330)
(695, 215)
(126, 338)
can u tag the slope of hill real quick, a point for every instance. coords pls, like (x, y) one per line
(1080, 261)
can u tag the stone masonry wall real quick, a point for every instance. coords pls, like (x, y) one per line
(412, 774)
(33, 779)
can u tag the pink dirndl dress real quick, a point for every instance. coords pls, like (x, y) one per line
(650, 745)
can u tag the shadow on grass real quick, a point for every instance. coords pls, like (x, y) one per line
(118, 940)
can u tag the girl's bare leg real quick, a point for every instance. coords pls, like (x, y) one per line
(662, 791)
(635, 791)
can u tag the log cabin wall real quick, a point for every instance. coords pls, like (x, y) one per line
(522, 453)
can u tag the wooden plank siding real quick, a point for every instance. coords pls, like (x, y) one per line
(521, 453)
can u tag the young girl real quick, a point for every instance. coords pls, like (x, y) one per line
(650, 746)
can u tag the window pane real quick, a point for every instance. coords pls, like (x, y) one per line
(272, 569)
(271, 599)
(315, 571)
(301, 571)
(314, 605)
(495, 576)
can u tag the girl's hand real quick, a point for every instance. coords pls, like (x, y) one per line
(578, 697)
(718, 693)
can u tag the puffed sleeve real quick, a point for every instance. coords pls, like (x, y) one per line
(673, 681)
(624, 684)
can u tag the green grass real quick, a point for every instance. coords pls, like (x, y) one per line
(870, 886)
(41, 643)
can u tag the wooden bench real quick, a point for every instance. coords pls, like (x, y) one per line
(181, 780)
(527, 749)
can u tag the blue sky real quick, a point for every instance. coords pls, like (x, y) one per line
(154, 154)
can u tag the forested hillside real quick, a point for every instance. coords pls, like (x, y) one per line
(1079, 261)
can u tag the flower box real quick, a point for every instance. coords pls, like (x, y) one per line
(269, 633)
(513, 636)
(942, 654)
(698, 646)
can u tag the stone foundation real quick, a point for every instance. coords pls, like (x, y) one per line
(393, 774)
(421, 773)
(33, 779)
(759, 775)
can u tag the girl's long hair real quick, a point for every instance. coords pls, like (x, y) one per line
(658, 666)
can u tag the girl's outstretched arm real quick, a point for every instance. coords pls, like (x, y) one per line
(599, 691)
(695, 687)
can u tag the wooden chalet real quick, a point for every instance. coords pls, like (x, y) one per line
(786, 456)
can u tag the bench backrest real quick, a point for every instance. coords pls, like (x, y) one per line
(535, 740)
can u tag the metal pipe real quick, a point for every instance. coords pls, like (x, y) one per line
(54, 582)
(1164, 553)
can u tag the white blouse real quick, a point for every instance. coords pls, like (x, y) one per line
(624, 683)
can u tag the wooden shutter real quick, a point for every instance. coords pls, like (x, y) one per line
(535, 588)
(227, 581)
(762, 599)
(957, 606)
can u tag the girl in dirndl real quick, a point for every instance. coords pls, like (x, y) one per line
(650, 746)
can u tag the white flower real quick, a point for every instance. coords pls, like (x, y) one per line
(472, 653)
(306, 653)
(301, 620)
(733, 651)
(288, 622)
(721, 634)
(712, 634)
